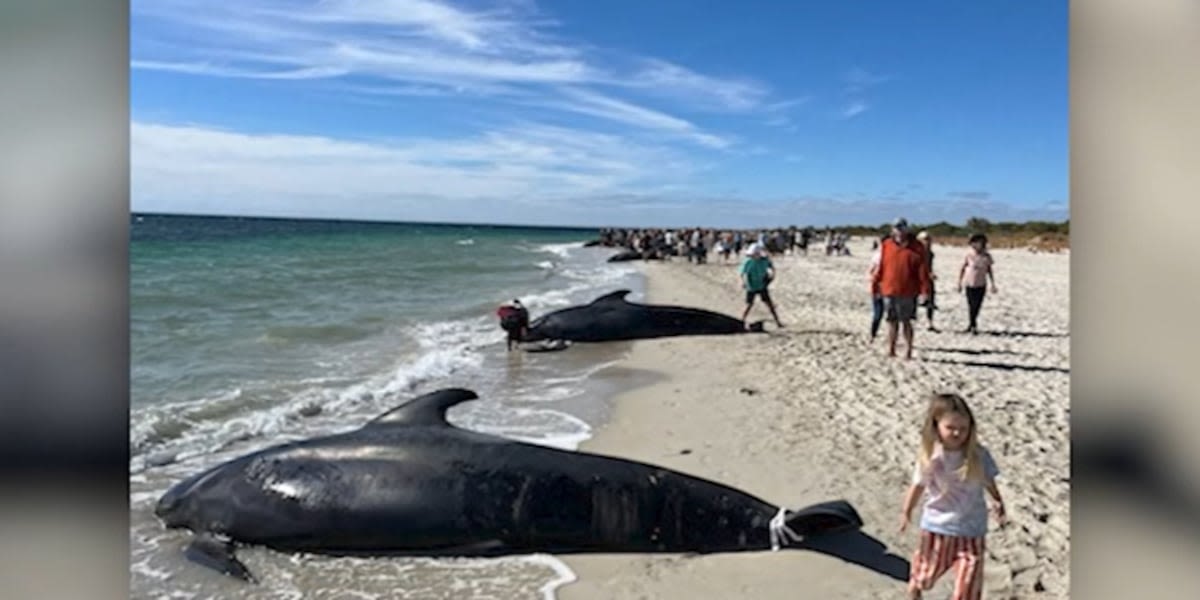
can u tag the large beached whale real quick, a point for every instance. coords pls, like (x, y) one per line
(611, 318)
(409, 483)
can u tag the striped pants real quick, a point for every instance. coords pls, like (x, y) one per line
(937, 553)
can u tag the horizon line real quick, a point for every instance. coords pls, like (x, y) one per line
(552, 227)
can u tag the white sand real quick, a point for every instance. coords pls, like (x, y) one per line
(832, 417)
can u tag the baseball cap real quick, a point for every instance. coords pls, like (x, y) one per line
(900, 223)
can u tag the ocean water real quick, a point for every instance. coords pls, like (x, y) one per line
(240, 327)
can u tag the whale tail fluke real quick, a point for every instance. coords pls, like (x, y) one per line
(208, 551)
(827, 517)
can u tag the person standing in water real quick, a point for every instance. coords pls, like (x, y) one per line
(756, 274)
(975, 272)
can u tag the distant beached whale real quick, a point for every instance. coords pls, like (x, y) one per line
(612, 318)
(629, 255)
(409, 483)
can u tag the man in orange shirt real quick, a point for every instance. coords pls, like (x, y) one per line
(903, 280)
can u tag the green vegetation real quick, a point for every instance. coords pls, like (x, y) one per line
(1000, 235)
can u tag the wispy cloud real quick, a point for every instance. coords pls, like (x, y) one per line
(423, 47)
(667, 79)
(856, 83)
(778, 114)
(854, 109)
(597, 105)
(528, 173)
(175, 166)
(971, 195)
(204, 68)
(858, 80)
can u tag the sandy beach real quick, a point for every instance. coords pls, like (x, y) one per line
(816, 412)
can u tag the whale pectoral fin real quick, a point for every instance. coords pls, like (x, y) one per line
(826, 517)
(206, 550)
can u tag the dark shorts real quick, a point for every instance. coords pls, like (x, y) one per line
(900, 308)
(766, 295)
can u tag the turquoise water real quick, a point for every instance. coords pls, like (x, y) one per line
(241, 329)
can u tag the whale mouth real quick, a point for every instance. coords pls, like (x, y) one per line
(168, 509)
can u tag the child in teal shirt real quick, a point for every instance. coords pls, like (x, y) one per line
(757, 273)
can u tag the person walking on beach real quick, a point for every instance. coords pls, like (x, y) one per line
(876, 295)
(903, 280)
(930, 306)
(975, 272)
(952, 471)
(514, 320)
(756, 274)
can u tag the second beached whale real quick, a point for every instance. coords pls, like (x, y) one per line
(612, 318)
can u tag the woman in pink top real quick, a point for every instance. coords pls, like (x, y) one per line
(974, 274)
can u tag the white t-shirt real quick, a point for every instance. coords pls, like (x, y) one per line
(977, 267)
(953, 506)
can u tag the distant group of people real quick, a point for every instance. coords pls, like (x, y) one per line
(901, 274)
(696, 244)
(835, 243)
(902, 278)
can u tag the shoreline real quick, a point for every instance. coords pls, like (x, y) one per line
(813, 412)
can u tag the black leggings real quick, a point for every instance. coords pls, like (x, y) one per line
(975, 302)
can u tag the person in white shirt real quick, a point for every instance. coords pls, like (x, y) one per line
(952, 472)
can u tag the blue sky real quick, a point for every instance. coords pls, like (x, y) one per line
(582, 112)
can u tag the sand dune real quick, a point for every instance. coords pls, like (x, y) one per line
(815, 412)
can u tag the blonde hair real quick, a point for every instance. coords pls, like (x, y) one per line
(939, 406)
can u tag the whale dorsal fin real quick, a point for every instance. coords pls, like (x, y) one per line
(429, 409)
(617, 296)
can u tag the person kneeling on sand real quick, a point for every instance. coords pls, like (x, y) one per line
(757, 273)
(952, 471)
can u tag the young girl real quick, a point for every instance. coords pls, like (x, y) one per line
(955, 469)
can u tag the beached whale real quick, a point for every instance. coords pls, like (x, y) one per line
(409, 483)
(629, 255)
(610, 318)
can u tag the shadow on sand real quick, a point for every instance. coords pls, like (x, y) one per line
(1033, 334)
(976, 351)
(790, 332)
(861, 549)
(1001, 366)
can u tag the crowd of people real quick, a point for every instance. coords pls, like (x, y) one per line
(696, 244)
(902, 279)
